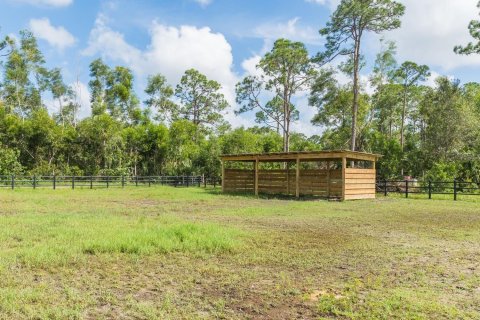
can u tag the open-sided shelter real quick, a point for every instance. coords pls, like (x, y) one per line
(345, 175)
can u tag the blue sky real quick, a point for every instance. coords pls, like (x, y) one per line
(222, 38)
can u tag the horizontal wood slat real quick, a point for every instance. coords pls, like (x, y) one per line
(360, 176)
(360, 196)
(360, 186)
(360, 191)
(360, 171)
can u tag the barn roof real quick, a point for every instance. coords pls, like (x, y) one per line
(302, 155)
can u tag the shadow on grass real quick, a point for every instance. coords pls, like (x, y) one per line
(263, 196)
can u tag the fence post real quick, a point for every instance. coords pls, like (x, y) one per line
(385, 190)
(108, 180)
(34, 181)
(406, 188)
(429, 189)
(188, 178)
(73, 182)
(199, 181)
(13, 182)
(123, 181)
(149, 181)
(54, 182)
(136, 181)
(455, 189)
(91, 182)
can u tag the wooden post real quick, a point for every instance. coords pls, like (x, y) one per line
(223, 177)
(297, 179)
(455, 189)
(256, 176)
(288, 177)
(328, 179)
(344, 181)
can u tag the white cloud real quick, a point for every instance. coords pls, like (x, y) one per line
(57, 37)
(203, 3)
(82, 97)
(49, 3)
(289, 30)
(431, 29)
(172, 50)
(250, 65)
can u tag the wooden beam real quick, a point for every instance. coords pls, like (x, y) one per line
(297, 179)
(223, 176)
(344, 181)
(256, 177)
(287, 166)
(292, 156)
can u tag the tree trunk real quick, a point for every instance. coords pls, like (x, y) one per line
(356, 67)
(404, 115)
(285, 117)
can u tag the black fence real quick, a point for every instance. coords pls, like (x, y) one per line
(428, 188)
(91, 182)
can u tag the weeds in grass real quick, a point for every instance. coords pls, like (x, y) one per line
(60, 239)
(177, 253)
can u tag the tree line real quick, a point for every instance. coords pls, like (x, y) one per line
(424, 131)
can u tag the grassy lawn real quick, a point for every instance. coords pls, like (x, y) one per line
(167, 253)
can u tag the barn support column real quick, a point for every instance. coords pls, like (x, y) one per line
(223, 175)
(344, 169)
(287, 168)
(328, 179)
(297, 179)
(256, 177)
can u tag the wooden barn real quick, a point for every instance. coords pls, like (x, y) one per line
(344, 175)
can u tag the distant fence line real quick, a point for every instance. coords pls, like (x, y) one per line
(385, 187)
(91, 182)
(428, 188)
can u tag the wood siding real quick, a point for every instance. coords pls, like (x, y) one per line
(236, 180)
(359, 183)
(313, 182)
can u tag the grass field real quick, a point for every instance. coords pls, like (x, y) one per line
(166, 253)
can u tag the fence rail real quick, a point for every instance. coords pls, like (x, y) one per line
(428, 188)
(91, 182)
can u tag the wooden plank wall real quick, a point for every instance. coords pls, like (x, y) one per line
(238, 180)
(322, 183)
(359, 184)
(313, 182)
(277, 181)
